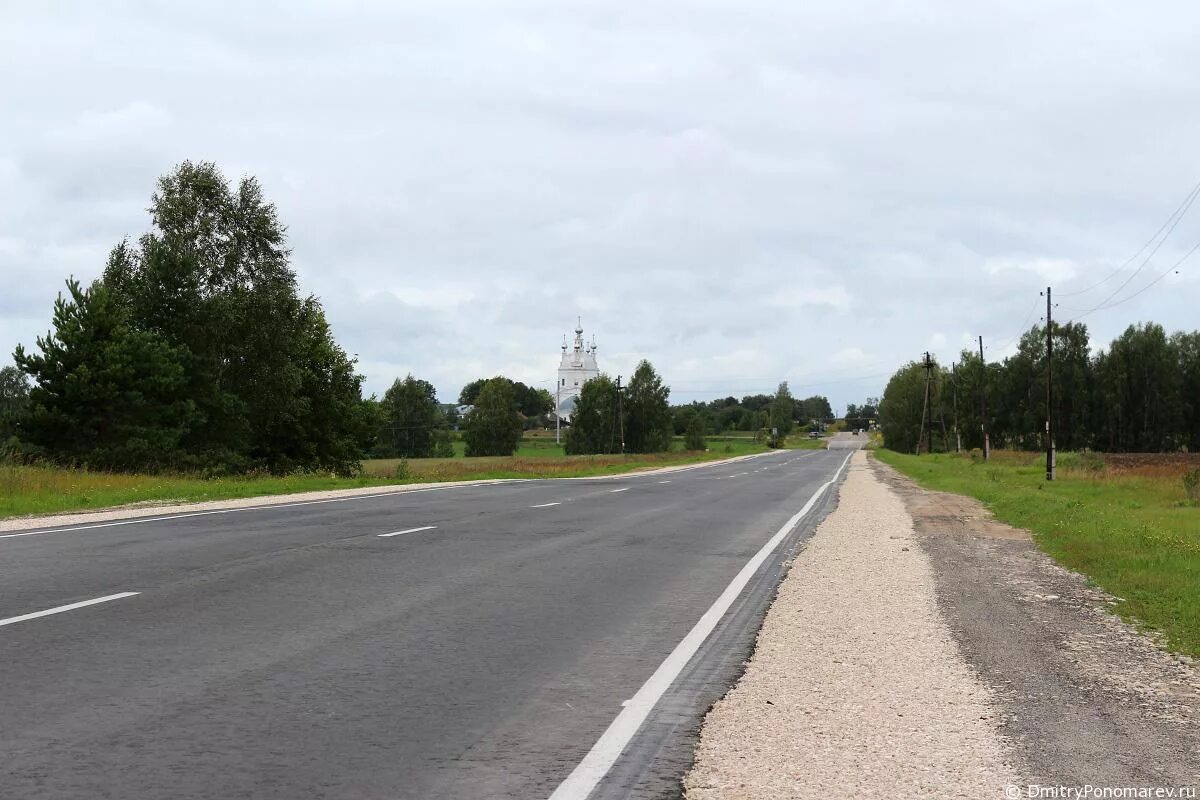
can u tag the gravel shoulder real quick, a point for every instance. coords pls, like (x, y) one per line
(1087, 698)
(920, 647)
(857, 687)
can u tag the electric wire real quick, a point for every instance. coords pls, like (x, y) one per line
(1172, 222)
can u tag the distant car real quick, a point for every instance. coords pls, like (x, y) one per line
(855, 431)
(814, 435)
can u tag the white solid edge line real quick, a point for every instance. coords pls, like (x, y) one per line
(410, 530)
(614, 491)
(263, 507)
(68, 607)
(604, 753)
(546, 505)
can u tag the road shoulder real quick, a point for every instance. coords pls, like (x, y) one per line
(856, 687)
(1087, 699)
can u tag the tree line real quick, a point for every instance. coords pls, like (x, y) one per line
(754, 413)
(1140, 394)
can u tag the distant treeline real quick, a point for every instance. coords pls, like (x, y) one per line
(1140, 394)
(754, 412)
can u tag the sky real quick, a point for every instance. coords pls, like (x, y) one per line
(741, 192)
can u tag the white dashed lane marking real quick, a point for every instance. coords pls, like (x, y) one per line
(409, 530)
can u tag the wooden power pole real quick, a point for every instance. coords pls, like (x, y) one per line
(926, 431)
(987, 444)
(1049, 389)
(954, 382)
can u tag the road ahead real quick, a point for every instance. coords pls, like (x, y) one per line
(297, 651)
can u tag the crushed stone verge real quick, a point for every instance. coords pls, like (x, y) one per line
(856, 688)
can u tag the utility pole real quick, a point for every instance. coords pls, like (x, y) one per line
(620, 415)
(926, 433)
(558, 412)
(987, 444)
(1049, 390)
(954, 382)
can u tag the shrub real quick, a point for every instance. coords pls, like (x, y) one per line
(1191, 483)
(401, 472)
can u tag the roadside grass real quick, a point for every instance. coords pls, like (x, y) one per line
(1133, 531)
(35, 490)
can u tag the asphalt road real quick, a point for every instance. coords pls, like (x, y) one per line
(295, 652)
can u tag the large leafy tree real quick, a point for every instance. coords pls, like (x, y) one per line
(411, 416)
(494, 426)
(901, 408)
(783, 409)
(1138, 402)
(594, 420)
(815, 408)
(1187, 350)
(648, 426)
(106, 394)
(213, 279)
(531, 402)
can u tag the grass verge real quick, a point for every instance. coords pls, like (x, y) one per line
(35, 490)
(1135, 534)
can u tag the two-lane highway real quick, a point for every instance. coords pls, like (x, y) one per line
(470, 642)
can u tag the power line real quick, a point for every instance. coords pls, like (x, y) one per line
(1172, 221)
(1173, 269)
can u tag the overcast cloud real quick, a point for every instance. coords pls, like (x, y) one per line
(741, 192)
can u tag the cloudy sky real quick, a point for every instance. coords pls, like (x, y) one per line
(742, 192)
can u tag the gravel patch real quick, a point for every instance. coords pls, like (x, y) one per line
(856, 688)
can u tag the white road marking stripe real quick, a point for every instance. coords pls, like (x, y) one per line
(545, 505)
(410, 530)
(614, 491)
(265, 507)
(664, 481)
(604, 753)
(68, 607)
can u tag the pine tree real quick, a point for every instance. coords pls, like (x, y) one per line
(105, 393)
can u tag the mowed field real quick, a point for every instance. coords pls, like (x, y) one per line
(33, 490)
(1124, 520)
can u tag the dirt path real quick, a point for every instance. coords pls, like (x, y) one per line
(856, 688)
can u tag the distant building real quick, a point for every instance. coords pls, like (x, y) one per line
(577, 367)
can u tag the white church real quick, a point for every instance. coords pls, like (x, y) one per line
(577, 367)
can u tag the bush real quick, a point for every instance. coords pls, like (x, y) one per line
(401, 472)
(1191, 483)
(494, 427)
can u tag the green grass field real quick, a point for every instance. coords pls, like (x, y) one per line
(32, 490)
(1134, 532)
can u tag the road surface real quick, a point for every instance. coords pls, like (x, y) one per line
(472, 642)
